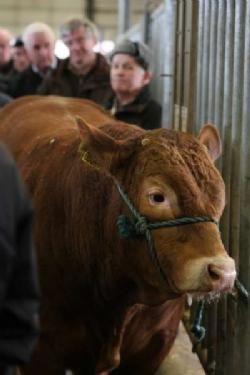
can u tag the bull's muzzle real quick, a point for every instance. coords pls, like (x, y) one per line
(220, 274)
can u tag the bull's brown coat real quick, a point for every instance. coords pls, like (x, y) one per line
(91, 279)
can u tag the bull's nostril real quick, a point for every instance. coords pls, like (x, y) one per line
(214, 272)
(220, 274)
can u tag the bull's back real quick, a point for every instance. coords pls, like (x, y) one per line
(31, 119)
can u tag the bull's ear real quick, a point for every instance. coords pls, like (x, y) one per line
(210, 137)
(99, 148)
(95, 138)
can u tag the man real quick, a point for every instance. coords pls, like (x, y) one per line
(19, 56)
(18, 274)
(6, 63)
(5, 51)
(84, 74)
(39, 42)
(130, 78)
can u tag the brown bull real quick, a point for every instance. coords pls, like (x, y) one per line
(93, 280)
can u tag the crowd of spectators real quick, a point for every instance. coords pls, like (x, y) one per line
(119, 82)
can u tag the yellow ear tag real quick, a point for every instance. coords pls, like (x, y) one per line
(145, 141)
(85, 157)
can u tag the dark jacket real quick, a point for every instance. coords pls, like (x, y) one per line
(7, 68)
(95, 85)
(25, 83)
(6, 73)
(4, 99)
(18, 274)
(143, 111)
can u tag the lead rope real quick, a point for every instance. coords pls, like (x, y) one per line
(197, 329)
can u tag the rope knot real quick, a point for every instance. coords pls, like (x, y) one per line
(131, 229)
(141, 226)
(126, 226)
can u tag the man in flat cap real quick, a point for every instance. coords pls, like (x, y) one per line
(130, 77)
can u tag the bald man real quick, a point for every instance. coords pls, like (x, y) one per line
(6, 63)
(5, 51)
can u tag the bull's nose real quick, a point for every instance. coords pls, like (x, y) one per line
(221, 274)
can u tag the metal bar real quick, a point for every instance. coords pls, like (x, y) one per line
(237, 124)
(226, 165)
(205, 61)
(217, 118)
(212, 61)
(123, 16)
(177, 107)
(169, 63)
(90, 9)
(245, 177)
(146, 25)
(182, 66)
(237, 94)
(200, 65)
(179, 63)
(227, 114)
(220, 57)
(192, 93)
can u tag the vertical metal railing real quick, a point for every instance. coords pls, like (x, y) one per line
(219, 85)
(223, 85)
(243, 339)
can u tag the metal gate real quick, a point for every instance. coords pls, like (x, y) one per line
(202, 74)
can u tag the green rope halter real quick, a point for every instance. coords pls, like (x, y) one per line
(140, 226)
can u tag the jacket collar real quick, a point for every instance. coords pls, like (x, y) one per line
(99, 71)
(137, 105)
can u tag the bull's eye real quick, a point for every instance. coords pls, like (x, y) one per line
(156, 198)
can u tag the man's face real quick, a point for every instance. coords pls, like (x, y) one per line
(20, 58)
(127, 77)
(5, 49)
(40, 49)
(80, 43)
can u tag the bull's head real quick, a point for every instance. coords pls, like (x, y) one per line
(171, 175)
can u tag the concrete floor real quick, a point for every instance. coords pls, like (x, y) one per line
(181, 360)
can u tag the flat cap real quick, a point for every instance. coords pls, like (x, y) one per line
(138, 50)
